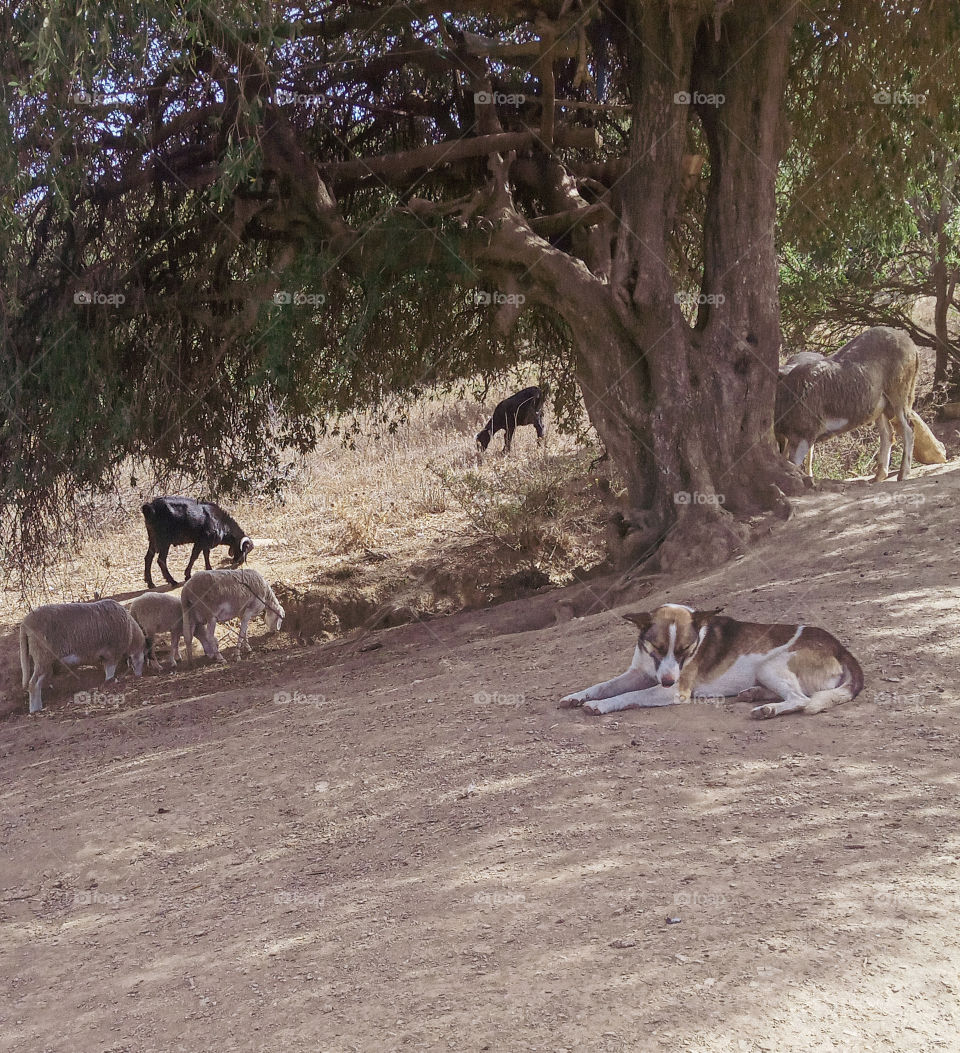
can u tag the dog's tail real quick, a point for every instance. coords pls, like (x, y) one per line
(849, 687)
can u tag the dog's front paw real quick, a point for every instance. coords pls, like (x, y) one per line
(574, 701)
(763, 712)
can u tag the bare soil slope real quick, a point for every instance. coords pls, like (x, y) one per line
(411, 847)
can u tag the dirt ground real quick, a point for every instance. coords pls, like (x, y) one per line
(402, 843)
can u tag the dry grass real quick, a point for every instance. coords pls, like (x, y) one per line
(410, 512)
(852, 455)
(409, 517)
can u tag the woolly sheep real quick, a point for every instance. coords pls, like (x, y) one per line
(871, 379)
(212, 596)
(785, 397)
(77, 634)
(155, 613)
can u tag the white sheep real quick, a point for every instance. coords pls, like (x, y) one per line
(213, 596)
(155, 613)
(77, 634)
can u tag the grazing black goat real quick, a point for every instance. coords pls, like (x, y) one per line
(183, 521)
(526, 407)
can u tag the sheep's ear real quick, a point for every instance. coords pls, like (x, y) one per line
(700, 618)
(641, 619)
(246, 545)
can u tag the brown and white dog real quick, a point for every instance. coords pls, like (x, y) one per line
(683, 653)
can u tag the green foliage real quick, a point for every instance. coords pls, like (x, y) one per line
(866, 188)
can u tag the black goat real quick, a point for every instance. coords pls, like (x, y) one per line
(526, 407)
(183, 521)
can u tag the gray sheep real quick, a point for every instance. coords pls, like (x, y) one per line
(77, 634)
(155, 613)
(801, 358)
(871, 379)
(213, 596)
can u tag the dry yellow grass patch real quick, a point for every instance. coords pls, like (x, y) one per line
(411, 513)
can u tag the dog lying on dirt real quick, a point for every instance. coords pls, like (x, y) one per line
(683, 653)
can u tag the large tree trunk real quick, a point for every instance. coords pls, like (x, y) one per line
(686, 411)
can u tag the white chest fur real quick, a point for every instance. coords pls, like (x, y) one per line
(643, 662)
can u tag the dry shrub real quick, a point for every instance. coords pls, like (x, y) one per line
(540, 508)
(360, 528)
(428, 496)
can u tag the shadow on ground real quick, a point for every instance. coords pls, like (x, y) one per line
(410, 847)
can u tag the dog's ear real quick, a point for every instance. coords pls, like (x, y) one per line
(641, 619)
(700, 618)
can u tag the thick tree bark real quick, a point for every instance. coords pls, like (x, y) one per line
(737, 360)
(686, 412)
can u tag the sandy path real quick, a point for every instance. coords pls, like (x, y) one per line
(408, 856)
